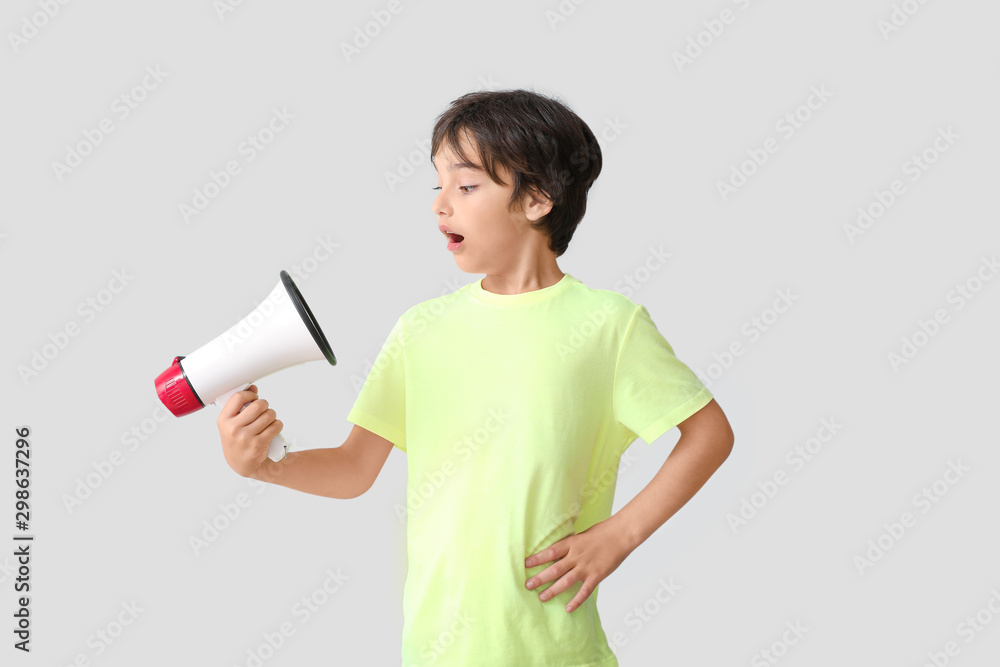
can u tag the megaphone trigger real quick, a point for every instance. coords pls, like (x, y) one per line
(278, 448)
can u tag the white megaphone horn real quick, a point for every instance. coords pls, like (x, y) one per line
(279, 333)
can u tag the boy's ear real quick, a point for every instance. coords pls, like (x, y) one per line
(535, 205)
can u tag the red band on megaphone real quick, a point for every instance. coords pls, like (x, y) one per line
(176, 392)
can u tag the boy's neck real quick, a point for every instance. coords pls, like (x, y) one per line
(519, 282)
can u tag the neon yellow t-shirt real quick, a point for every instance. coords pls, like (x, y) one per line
(514, 410)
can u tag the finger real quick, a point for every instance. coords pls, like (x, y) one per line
(539, 557)
(553, 571)
(580, 596)
(557, 550)
(252, 413)
(236, 401)
(270, 431)
(265, 419)
(555, 589)
(274, 426)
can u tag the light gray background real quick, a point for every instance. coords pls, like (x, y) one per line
(324, 177)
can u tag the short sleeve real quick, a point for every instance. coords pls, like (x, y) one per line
(381, 405)
(653, 389)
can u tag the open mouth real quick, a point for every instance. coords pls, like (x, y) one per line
(455, 238)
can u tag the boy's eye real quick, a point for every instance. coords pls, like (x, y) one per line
(461, 187)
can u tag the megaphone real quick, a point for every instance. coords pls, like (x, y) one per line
(279, 333)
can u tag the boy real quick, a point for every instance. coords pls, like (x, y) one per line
(514, 398)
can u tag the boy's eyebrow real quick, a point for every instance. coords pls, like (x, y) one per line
(463, 165)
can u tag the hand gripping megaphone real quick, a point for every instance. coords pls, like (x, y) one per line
(279, 333)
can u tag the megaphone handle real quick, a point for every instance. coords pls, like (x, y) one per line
(278, 447)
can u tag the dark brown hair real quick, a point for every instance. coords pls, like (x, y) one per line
(547, 148)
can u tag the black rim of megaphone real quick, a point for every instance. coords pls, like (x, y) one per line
(307, 317)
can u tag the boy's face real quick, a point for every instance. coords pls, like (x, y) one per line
(471, 204)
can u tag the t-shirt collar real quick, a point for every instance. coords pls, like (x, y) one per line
(524, 297)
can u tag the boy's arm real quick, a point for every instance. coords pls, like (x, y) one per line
(347, 471)
(705, 443)
(336, 472)
(590, 556)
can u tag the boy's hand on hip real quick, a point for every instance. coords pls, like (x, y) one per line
(589, 557)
